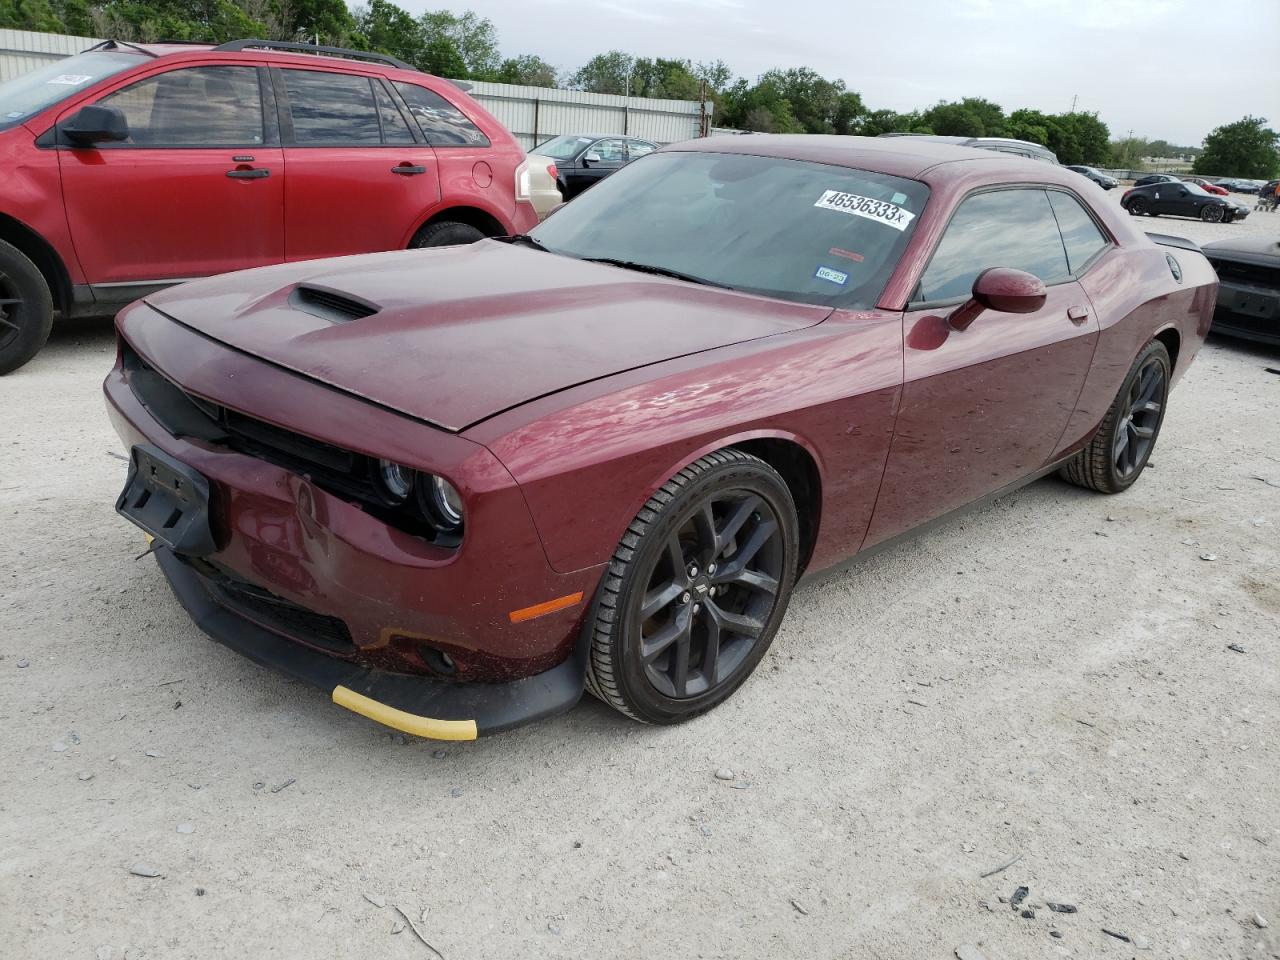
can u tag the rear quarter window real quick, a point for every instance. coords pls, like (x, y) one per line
(1080, 234)
(443, 124)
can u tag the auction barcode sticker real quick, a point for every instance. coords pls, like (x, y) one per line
(881, 211)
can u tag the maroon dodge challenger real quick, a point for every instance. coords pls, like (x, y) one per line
(455, 487)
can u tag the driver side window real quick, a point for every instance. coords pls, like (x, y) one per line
(1000, 228)
(193, 107)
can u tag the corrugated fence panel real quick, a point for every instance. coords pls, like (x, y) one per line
(22, 50)
(533, 114)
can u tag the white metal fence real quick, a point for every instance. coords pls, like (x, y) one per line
(533, 114)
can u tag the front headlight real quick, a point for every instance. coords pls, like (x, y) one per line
(423, 496)
(396, 481)
(446, 502)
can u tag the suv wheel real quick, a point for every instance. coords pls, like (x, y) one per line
(26, 309)
(445, 233)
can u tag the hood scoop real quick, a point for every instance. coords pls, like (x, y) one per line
(330, 304)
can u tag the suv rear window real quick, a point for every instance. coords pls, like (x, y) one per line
(443, 124)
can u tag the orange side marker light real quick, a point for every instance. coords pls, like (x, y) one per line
(542, 609)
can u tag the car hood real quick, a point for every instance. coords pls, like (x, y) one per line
(1246, 249)
(456, 335)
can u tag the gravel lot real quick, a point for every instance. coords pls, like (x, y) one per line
(1049, 678)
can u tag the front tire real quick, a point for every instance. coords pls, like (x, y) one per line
(446, 233)
(1211, 213)
(1119, 451)
(695, 591)
(26, 309)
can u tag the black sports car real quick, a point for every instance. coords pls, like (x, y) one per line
(1155, 178)
(1097, 176)
(1181, 200)
(1248, 288)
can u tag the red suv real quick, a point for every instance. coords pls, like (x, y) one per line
(133, 167)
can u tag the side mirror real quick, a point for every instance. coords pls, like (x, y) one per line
(1002, 289)
(95, 124)
(591, 157)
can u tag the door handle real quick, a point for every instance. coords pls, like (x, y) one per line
(248, 174)
(1077, 314)
(408, 170)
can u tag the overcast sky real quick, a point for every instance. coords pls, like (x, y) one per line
(1167, 69)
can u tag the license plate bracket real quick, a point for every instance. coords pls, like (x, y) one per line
(167, 499)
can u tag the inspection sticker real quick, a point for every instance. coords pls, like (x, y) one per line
(835, 276)
(881, 211)
(71, 79)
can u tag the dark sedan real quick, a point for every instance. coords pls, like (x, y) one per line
(1248, 288)
(1155, 178)
(1180, 199)
(583, 160)
(1097, 176)
(454, 487)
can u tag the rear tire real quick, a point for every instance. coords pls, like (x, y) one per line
(446, 233)
(1137, 206)
(695, 591)
(1119, 451)
(26, 309)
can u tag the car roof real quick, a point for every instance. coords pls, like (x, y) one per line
(599, 136)
(176, 48)
(910, 157)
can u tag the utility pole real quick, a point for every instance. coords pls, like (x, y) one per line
(1074, 98)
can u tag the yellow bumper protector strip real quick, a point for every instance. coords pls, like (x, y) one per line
(400, 720)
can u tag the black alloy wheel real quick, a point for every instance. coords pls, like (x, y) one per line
(1119, 451)
(1211, 213)
(26, 309)
(1136, 433)
(1138, 206)
(696, 590)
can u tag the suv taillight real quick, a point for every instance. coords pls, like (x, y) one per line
(552, 171)
(524, 182)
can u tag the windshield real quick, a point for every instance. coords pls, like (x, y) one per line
(26, 95)
(1196, 189)
(807, 232)
(563, 148)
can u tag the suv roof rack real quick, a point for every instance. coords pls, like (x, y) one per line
(235, 46)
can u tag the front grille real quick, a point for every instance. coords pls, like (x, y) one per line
(338, 471)
(275, 613)
(343, 473)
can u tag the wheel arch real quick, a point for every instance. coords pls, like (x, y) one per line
(1172, 341)
(793, 456)
(483, 220)
(40, 252)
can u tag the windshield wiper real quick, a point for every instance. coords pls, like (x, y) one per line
(656, 271)
(524, 238)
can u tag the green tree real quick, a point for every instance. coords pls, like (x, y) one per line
(604, 73)
(1246, 148)
(386, 28)
(1091, 136)
(330, 20)
(36, 15)
(528, 69)
(953, 120)
(472, 37)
